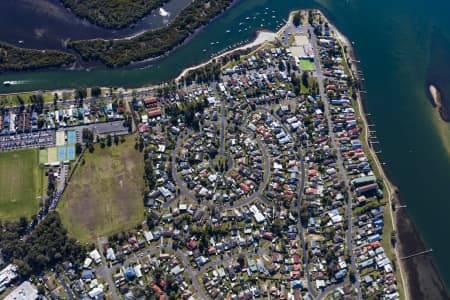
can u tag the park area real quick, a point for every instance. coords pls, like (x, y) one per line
(21, 184)
(104, 195)
(307, 65)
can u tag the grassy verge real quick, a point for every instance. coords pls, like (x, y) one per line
(105, 193)
(13, 99)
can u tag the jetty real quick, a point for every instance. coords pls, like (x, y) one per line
(417, 254)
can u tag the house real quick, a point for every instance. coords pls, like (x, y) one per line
(88, 275)
(24, 291)
(110, 255)
(7, 275)
(95, 255)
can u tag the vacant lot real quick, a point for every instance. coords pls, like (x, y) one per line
(105, 193)
(20, 184)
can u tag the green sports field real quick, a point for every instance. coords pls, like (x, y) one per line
(307, 65)
(21, 184)
(104, 195)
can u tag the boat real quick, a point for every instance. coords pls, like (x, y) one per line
(21, 42)
(163, 12)
(248, 18)
(7, 83)
(228, 31)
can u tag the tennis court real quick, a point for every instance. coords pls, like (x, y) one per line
(70, 152)
(62, 153)
(71, 137)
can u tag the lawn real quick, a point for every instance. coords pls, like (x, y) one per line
(307, 65)
(11, 99)
(21, 184)
(104, 195)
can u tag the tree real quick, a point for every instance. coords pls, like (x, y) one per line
(87, 135)
(108, 140)
(116, 140)
(297, 19)
(96, 92)
(241, 259)
(305, 77)
(281, 66)
(78, 148)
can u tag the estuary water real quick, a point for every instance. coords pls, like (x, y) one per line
(401, 44)
(47, 24)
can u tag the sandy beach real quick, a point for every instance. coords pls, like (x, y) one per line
(435, 95)
(437, 101)
(261, 38)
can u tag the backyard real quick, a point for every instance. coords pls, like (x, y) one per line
(104, 195)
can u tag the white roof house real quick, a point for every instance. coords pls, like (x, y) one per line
(95, 255)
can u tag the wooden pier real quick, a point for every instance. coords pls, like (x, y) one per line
(417, 254)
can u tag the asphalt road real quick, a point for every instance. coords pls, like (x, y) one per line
(299, 153)
(340, 163)
(107, 272)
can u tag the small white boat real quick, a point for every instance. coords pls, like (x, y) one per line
(163, 12)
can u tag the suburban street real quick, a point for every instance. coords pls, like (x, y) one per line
(340, 163)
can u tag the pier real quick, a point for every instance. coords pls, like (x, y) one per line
(417, 254)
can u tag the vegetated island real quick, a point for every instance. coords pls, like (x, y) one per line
(112, 13)
(152, 43)
(16, 59)
(438, 103)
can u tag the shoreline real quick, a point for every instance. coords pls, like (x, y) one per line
(263, 36)
(390, 187)
(409, 239)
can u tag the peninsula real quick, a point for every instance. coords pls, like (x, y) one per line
(252, 175)
(113, 13)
